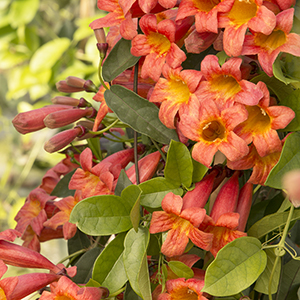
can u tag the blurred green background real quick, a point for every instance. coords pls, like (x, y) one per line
(41, 42)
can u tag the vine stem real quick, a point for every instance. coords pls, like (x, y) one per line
(280, 249)
(100, 74)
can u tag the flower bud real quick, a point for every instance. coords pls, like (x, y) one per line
(57, 119)
(291, 185)
(84, 85)
(102, 47)
(34, 120)
(100, 35)
(63, 138)
(70, 101)
(63, 87)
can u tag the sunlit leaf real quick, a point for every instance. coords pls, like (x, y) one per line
(289, 160)
(138, 113)
(181, 269)
(23, 11)
(235, 268)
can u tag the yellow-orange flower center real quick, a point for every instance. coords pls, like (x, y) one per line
(2, 295)
(213, 130)
(159, 43)
(226, 85)
(184, 293)
(63, 297)
(179, 91)
(205, 5)
(270, 42)
(258, 120)
(242, 11)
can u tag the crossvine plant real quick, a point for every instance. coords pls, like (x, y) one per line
(180, 179)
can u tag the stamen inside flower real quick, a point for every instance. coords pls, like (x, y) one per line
(159, 43)
(258, 119)
(205, 5)
(225, 84)
(213, 130)
(242, 11)
(179, 91)
(272, 41)
(184, 293)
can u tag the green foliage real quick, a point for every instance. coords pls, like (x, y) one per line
(138, 113)
(180, 269)
(236, 267)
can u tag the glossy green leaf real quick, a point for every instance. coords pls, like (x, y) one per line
(123, 182)
(138, 113)
(93, 283)
(109, 268)
(292, 101)
(48, 54)
(235, 268)
(85, 265)
(61, 189)
(262, 282)
(130, 294)
(179, 166)
(281, 75)
(155, 189)
(270, 223)
(181, 269)
(289, 160)
(118, 60)
(102, 215)
(23, 11)
(135, 261)
(132, 194)
(275, 86)
(199, 171)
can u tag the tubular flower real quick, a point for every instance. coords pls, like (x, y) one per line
(62, 217)
(158, 45)
(119, 14)
(212, 129)
(267, 47)
(174, 92)
(262, 123)
(98, 179)
(261, 165)
(178, 289)
(225, 84)
(223, 220)
(181, 225)
(205, 12)
(68, 290)
(244, 14)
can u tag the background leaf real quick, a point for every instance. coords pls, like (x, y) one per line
(138, 113)
(181, 269)
(179, 166)
(123, 182)
(61, 189)
(235, 268)
(289, 160)
(118, 60)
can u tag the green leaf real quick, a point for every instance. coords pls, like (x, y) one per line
(199, 171)
(290, 281)
(109, 268)
(61, 189)
(289, 160)
(262, 282)
(138, 113)
(23, 11)
(85, 265)
(180, 269)
(123, 182)
(274, 85)
(292, 101)
(118, 60)
(48, 54)
(78, 242)
(155, 189)
(135, 261)
(235, 268)
(270, 223)
(102, 215)
(179, 166)
(132, 194)
(130, 294)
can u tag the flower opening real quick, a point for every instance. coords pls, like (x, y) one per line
(206, 5)
(159, 43)
(211, 131)
(242, 11)
(270, 42)
(226, 84)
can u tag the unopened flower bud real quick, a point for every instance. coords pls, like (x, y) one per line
(84, 85)
(291, 185)
(102, 47)
(33, 120)
(63, 87)
(65, 100)
(62, 139)
(57, 119)
(100, 35)
(90, 87)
